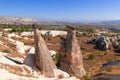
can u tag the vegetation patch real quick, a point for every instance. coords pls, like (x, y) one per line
(105, 53)
(82, 48)
(86, 78)
(6, 51)
(56, 59)
(91, 57)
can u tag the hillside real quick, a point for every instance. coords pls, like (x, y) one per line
(16, 20)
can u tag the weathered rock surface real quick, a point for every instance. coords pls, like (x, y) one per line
(30, 59)
(20, 47)
(101, 42)
(70, 55)
(43, 60)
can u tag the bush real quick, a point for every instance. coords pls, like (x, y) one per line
(82, 48)
(86, 78)
(91, 57)
(105, 53)
(42, 35)
(109, 69)
(6, 51)
(77, 34)
(13, 30)
(49, 39)
(57, 56)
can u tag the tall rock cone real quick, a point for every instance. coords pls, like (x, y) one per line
(70, 54)
(43, 60)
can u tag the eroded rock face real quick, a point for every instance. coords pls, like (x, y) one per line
(70, 55)
(43, 60)
(20, 47)
(103, 43)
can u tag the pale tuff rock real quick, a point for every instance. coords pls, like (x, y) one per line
(20, 47)
(43, 60)
(52, 33)
(70, 55)
(59, 72)
(11, 40)
(26, 33)
(12, 35)
(1, 42)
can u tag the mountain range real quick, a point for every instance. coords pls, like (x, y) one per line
(26, 20)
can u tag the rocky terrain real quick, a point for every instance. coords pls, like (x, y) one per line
(98, 55)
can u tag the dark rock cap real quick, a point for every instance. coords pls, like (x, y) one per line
(35, 25)
(70, 27)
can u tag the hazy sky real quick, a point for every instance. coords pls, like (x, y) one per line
(76, 10)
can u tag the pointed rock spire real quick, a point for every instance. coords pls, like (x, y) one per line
(70, 55)
(43, 60)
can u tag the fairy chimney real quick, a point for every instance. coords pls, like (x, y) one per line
(43, 60)
(70, 54)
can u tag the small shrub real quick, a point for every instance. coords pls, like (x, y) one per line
(42, 35)
(6, 51)
(109, 60)
(91, 57)
(77, 34)
(13, 30)
(84, 34)
(57, 56)
(48, 39)
(86, 78)
(108, 69)
(82, 48)
(105, 53)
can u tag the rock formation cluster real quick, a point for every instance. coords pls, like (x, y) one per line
(70, 59)
(105, 43)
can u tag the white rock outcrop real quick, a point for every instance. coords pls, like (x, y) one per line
(52, 33)
(52, 53)
(59, 72)
(20, 47)
(26, 33)
(12, 35)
